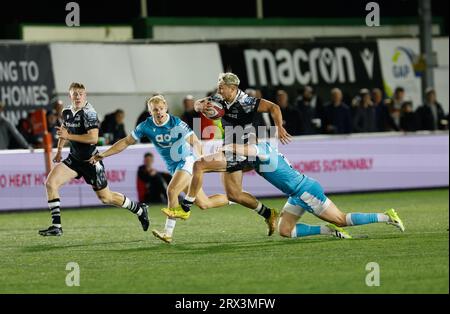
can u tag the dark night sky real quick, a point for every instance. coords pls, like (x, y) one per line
(103, 11)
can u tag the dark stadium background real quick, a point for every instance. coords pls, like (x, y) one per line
(103, 11)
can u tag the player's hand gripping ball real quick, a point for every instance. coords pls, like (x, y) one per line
(213, 110)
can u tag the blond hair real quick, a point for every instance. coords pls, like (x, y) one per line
(229, 78)
(76, 85)
(157, 99)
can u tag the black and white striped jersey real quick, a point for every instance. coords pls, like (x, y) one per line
(239, 113)
(80, 122)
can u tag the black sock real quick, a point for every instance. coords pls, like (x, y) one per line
(186, 205)
(264, 211)
(55, 210)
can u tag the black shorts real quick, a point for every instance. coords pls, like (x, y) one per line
(92, 174)
(237, 163)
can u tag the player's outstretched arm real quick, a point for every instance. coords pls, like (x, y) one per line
(196, 144)
(114, 149)
(275, 113)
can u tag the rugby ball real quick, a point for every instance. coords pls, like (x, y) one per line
(214, 110)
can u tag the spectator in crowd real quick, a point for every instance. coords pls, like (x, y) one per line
(364, 119)
(142, 117)
(52, 123)
(58, 107)
(408, 118)
(292, 119)
(9, 132)
(394, 107)
(355, 103)
(112, 127)
(25, 127)
(398, 98)
(261, 119)
(431, 114)
(189, 113)
(394, 118)
(309, 107)
(337, 115)
(152, 184)
(382, 118)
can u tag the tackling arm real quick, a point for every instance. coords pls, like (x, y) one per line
(242, 149)
(195, 143)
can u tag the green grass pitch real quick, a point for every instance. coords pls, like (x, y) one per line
(226, 250)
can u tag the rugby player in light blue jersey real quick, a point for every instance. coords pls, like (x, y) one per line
(179, 147)
(305, 194)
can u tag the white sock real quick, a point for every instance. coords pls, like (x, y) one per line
(190, 199)
(294, 232)
(126, 202)
(231, 203)
(258, 207)
(383, 218)
(170, 225)
(348, 219)
(325, 230)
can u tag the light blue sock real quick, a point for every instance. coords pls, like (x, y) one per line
(303, 230)
(355, 219)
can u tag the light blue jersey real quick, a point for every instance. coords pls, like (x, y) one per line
(275, 168)
(169, 139)
(302, 190)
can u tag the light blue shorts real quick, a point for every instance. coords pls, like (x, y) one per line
(186, 165)
(310, 198)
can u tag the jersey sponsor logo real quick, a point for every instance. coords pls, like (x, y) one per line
(73, 125)
(164, 140)
(233, 110)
